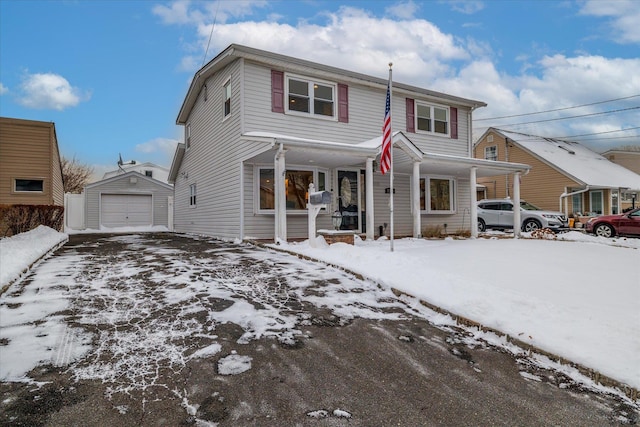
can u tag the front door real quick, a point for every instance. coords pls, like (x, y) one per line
(349, 199)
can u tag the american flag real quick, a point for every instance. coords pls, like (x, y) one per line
(385, 157)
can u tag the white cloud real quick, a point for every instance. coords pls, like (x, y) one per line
(49, 91)
(624, 14)
(468, 7)
(404, 10)
(3, 89)
(158, 150)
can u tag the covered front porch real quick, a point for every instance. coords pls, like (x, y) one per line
(427, 187)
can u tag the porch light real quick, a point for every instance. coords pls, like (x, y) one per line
(336, 219)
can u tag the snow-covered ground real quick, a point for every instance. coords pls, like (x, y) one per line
(577, 296)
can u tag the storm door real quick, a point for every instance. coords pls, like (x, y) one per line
(349, 199)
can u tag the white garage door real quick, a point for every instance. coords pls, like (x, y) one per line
(125, 210)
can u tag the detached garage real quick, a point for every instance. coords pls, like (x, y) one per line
(128, 200)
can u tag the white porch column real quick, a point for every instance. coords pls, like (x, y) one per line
(280, 202)
(516, 205)
(368, 177)
(415, 201)
(474, 201)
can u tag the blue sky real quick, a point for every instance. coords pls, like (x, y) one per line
(112, 74)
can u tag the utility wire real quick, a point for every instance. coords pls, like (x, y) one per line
(602, 133)
(571, 117)
(557, 109)
(215, 18)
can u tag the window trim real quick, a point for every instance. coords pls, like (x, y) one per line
(256, 186)
(15, 190)
(432, 118)
(226, 83)
(310, 81)
(187, 136)
(453, 189)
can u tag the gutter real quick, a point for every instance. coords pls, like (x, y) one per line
(565, 195)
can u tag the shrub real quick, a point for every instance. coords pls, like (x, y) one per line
(15, 219)
(432, 231)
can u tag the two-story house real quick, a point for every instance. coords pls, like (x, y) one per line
(565, 175)
(260, 127)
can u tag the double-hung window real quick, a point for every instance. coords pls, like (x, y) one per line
(491, 153)
(314, 98)
(437, 195)
(296, 183)
(432, 118)
(187, 136)
(226, 96)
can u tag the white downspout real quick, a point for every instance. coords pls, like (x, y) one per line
(370, 231)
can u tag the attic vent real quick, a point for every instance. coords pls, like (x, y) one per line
(566, 149)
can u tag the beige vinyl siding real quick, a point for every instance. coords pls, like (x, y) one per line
(123, 185)
(28, 150)
(629, 160)
(542, 186)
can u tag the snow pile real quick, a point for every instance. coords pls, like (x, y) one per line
(568, 295)
(19, 252)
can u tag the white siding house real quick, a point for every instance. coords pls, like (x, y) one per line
(260, 126)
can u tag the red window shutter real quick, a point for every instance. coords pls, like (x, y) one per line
(411, 116)
(343, 103)
(277, 91)
(454, 123)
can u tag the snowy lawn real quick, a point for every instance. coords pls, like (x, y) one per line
(577, 296)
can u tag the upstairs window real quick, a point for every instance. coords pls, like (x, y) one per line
(491, 153)
(29, 185)
(310, 97)
(226, 96)
(431, 118)
(187, 136)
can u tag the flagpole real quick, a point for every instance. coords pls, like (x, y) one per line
(391, 153)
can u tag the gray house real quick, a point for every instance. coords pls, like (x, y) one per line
(128, 200)
(260, 127)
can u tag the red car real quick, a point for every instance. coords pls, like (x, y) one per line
(627, 223)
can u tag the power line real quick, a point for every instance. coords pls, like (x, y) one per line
(602, 133)
(557, 109)
(572, 117)
(215, 18)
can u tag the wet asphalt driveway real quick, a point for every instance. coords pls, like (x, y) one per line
(171, 330)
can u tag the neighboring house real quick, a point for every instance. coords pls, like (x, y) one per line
(147, 169)
(564, 175)
(128, 200)
(260, 127)
(30, 170)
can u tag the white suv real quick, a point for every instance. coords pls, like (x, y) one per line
(498, 213)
